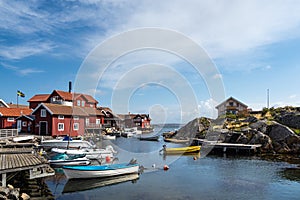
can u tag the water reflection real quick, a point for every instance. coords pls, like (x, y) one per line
(75, 185)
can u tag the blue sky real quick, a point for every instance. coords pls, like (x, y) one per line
(254, 45)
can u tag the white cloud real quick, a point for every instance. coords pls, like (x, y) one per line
(21, 71)
(15, 52)
(207, 108)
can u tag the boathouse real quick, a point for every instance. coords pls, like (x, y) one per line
(233, 106)
(141, 121)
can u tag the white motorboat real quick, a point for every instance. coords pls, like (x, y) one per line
(109, 137)
(90, 153)
(66, 143)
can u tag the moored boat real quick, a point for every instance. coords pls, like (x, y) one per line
(150, 138)
(66, 142)
(68, 160)
(181, 150)
(90, 153)
(98, 171)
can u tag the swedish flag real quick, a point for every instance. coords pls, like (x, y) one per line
(21, 94)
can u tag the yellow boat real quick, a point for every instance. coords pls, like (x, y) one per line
(181, 150)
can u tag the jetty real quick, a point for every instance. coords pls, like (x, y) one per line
(14, 160)
(226, 147)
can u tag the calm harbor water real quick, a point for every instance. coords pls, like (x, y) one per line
(210, 177)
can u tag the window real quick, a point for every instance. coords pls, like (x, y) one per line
(61, 126)
(10, 119)
(231, 103)
(76, 118)
(78, 102)
(83, 103)
(87, 121)
(61, 117)
(24, 124)
(43, 113)
(76, 126)
(97, 121)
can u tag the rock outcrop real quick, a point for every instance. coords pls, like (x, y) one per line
(272, 135)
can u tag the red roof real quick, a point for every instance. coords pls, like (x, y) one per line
(14, 112)
(39, 98)
(69, 96)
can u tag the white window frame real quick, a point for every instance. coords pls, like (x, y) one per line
(76, 118)
(10, 119)
(61, 117)
(78, 102)
(75, 126)
(61, 128)
(87, 121)
(82, 103)
(43, 113)
(24, 123)
(98, 121)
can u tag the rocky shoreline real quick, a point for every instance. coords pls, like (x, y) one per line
(277, 130)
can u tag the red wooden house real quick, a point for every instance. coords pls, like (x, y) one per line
(8, 116)
(56, 119)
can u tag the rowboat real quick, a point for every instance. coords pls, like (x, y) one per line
(181, 150)
(175, 140)
(90, 153)
(65, 160)
(99, 171)
(150, 138)
(75, 185)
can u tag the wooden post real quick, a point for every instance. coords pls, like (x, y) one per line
(4, 180)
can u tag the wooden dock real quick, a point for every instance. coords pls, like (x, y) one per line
(224, 147)
(13, 160)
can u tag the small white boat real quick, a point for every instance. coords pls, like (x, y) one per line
(66, 143)
(65, 160)
(23, 138)
(98, 171)
(90, 153)
(109, 137)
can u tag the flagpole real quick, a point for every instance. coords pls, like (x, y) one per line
(17, 100)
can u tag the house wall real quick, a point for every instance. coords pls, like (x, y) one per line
(231, 105)
(6, 124)
(68, 126)
(27, 126)
(39, 119)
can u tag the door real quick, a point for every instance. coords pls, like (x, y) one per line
(19, 125)
(43, 128)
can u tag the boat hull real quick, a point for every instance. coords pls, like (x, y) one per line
(90, 153)
(99, 171)
(74, 162)
(181, 150)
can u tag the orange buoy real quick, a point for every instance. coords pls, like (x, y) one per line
(166, 167)
(107, 158)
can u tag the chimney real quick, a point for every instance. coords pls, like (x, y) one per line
(70, 86)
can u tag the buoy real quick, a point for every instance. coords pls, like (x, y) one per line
(107, 159)
(166, 167)
(153, 165)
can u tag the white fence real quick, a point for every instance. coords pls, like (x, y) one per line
(4, 133)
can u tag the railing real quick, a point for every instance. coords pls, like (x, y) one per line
(4, 133)
(93, 125)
